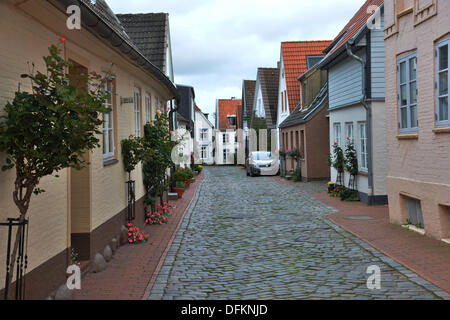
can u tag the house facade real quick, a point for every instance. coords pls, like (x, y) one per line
(307, 128)
(356, 95)
(417, 38)
(204, 132)
(296, 57)
(86, 209)
(228, 115)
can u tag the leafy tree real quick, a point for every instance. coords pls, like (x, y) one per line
(338, 160)
(50, 128)
(158, 139)
(351, 159)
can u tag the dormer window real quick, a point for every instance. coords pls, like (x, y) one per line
(232, 120)
(311, 61)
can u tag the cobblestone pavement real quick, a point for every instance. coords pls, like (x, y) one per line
(257, 238)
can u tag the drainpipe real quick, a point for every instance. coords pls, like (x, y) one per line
(368, 116)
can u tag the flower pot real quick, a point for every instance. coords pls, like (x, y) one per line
(188, 183)
(179, 191)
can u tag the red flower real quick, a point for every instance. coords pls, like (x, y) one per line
(63, 40)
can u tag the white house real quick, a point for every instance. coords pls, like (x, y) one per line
(296, 57)
(356, 90)
(226, 146)
(203, 138)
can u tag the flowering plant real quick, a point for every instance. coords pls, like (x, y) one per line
(283, 153)
(135, 236)
(161, 215)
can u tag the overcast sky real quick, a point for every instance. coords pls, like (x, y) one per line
(218, 43)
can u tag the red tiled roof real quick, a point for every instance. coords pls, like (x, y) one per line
(228, 107)
(294, 59)
(355, 24)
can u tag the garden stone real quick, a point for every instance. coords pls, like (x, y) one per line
(123, 235)
(107, 253)
(63, 293)
(99, 263)
(114, 245)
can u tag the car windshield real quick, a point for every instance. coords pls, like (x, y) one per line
(261, 156)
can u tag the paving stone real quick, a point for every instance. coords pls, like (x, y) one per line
(257, 238)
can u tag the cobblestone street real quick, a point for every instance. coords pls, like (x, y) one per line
(257, 238)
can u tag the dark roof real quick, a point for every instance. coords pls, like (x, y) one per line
(100, 20)
(185, 108)
(149, 32)
(248, 92)
(302, 116)
(180, 118)
(269, 79)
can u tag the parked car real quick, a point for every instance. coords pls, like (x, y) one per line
(262, 163)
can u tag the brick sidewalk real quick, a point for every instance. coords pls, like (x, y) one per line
(425, 256)
(133, 266)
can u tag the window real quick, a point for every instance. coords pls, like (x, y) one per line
(302, 146)
(442, 83)
(282, 102)
(147, 108)
(337, 133)
(225, 138)
(363, 145)
(204, 152)
(414, 210)
(232, 120)
(108, 125)
(349, 133)
(137, 112)
(407, 68)
(311, 61)
(226, 153)
(203, 134)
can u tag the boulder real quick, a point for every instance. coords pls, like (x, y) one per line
(99, 264)
(107, 253)
(114, 245)
(123, 235)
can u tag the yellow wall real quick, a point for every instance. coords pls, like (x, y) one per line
(30, 29)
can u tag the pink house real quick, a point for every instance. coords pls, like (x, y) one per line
(417, 37)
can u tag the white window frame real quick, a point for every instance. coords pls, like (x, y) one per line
(349, 133)
(148, 101)
(439, 122)
(108, 124)
(137, 111)
(337, 133)
(204, 148)
(407, 59)
(226, 155)
(232, 117)
(225, 138)
(363, 150)
(204, 134)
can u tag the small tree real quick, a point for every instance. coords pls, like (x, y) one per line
(50, 128)
(133, 152)
(338, 162)
(295, 154)
(351, 164)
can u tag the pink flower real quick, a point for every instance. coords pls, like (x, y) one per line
(63, 40)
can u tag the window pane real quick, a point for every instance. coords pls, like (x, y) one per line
(412, 69)
(105, 120)
(104, 141)
(413, 92)
(443, 109)
(443, 83)
(403, 72)
(404, 118)
(414, 121)
(111, 142)
(403, 95)
(443, 57)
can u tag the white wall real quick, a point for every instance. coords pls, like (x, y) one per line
(202, 123)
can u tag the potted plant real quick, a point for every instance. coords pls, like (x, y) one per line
(180, 179)
(330, 186)
(189, 175)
